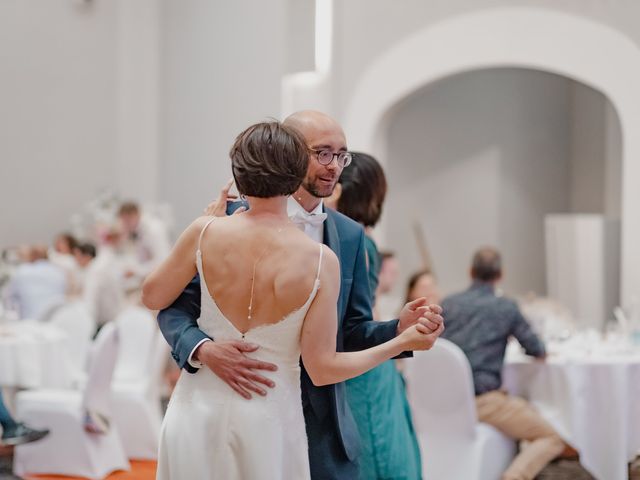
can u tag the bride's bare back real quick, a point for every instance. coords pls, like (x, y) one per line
(242, 253)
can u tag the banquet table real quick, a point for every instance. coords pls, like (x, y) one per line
(34, 355)
(589, 390)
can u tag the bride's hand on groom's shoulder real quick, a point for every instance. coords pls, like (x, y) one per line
(228, 361)
(218, 208)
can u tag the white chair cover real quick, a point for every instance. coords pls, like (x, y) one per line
(76, 321)
(69, 449)
(452, 442)
(137, 384)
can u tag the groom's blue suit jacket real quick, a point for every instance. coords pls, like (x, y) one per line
(356, 331)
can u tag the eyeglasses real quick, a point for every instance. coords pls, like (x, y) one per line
(325, 157)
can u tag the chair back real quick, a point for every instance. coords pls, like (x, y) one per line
(102, 362)
(76, 321)
(137, 333)
(440, 391)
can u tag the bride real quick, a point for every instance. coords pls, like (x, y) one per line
(265, 282)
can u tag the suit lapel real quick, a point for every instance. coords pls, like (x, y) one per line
(331, 238)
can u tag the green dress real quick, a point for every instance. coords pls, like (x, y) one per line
(379, 405)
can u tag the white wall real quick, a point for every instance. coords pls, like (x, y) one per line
(57, 120)
(480, 158)
(367, 28)
(220, 71)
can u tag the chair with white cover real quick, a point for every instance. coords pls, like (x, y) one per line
(453, 444)
(76, 321)
(69, 449)
(137, 383)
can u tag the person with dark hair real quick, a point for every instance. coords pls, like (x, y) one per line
(377, 398)
(16, 433)
(264, 285)
(423, 284)
(65, 243)
(61, 254)
(84, 253)
(480, 322)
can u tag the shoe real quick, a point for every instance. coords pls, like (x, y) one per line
(95, 422)
(21, 434)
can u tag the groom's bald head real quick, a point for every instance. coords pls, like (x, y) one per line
(321, 132)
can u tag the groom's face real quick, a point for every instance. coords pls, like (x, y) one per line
(321, 179)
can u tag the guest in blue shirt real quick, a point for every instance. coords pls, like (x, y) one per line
(480, 322)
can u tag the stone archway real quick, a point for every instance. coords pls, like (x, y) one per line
(540, 39)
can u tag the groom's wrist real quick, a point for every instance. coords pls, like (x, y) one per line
(194, 359)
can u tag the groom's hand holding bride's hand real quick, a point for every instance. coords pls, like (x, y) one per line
(427, 320)
(228, 361)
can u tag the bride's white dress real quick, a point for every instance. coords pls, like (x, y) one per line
(211, 432)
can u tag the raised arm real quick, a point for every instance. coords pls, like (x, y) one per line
(319, 332)
(163, 286)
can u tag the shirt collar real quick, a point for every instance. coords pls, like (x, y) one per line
(293, 206)
(482, 286)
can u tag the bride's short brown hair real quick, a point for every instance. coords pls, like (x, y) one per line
(269, 159)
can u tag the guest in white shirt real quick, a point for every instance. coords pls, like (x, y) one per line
(37, 285)
(147, 239)
(103, 290)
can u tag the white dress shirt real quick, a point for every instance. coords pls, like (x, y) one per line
(315, 230)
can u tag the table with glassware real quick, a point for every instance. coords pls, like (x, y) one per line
(588, 388)
(33, 355)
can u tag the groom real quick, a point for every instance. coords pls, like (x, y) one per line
(332, 433)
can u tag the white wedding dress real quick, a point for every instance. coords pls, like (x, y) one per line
(211, 432)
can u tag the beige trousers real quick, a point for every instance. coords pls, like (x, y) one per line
(516, 418)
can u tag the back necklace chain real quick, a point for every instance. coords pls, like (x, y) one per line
(253, 274)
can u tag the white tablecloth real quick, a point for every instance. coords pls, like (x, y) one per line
(32, 355)
(591, 395)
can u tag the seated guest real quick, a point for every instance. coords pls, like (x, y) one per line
(145, 236)
(480, 323)
(37, 285)
(16, 433)
(423, 284)
(61, 254)
(103, 290)
(84, 253)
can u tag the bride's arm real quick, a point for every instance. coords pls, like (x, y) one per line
(168, 280)
(319, 331)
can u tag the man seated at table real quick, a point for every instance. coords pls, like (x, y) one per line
(480, 322)
(16, 433)
(37, 285)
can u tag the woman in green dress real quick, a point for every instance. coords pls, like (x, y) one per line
(377, 399)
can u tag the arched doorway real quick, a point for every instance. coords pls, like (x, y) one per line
(540, 39)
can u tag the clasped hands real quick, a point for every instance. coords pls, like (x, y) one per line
(420, 324)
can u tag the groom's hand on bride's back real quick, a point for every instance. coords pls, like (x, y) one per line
(228, 361)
